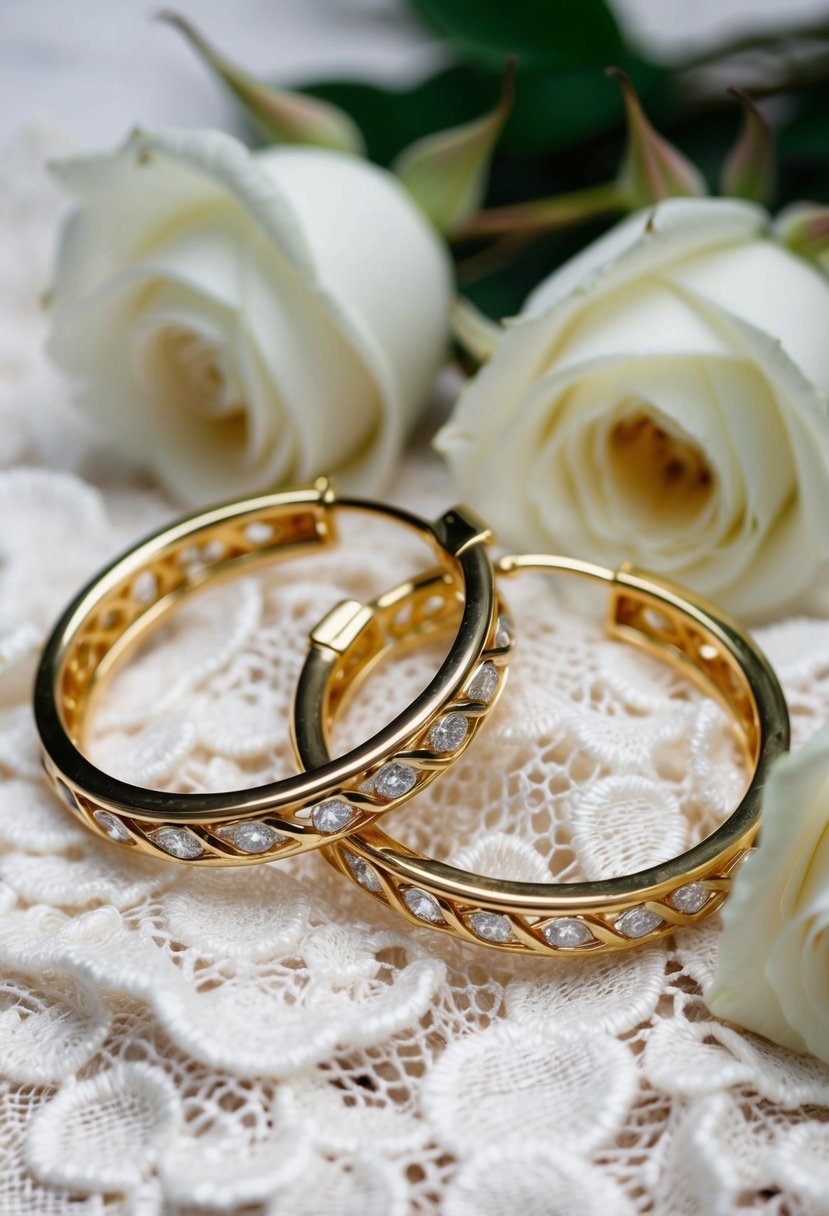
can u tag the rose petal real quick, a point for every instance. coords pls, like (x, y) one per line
(766, 893)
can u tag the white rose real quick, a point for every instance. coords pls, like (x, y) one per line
(773, 971)
(662, 398)
(241, 320)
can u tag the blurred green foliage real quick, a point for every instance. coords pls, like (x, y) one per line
(566, 130)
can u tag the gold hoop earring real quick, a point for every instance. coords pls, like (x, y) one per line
(592, 917)
(138, 590)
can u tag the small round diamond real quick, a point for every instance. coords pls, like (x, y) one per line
(394, 780)
(195, 558)
(178, 842)
(503, 631)
(258, 532)
(332, 816)
(448, 733)
(112, 825)
(145, 587)
(251, 837)
(567, 933)
(637, 922)
(189, 555)
(690, 898)
(361, 871)
(484, 683)
(213, 550)
(423, 905)
(491, 926)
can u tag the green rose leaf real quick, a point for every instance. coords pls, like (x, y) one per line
(555, 33)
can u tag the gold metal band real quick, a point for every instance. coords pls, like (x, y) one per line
(590, 917)
(140, 588)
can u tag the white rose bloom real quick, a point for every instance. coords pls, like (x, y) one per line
(662, 398)
(238, 321)
(773, 971)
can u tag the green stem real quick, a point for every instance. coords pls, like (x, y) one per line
(544, 214)
(493, 257)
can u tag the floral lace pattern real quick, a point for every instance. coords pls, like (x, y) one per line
(269, 1040)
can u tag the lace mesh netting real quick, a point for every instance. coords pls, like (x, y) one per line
(270, 1040)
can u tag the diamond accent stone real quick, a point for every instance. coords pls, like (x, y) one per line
(145, 587)
(484, 682)
(258, 532)
(178, 842)
(332, 815)
(690, 898)
(394, 780)
(249, 837)
(189, 555)
(567, 933)
(361, 871)
(503, 631)
(423, 905)
(490, 926)
(637, 922)
(112, 826)
(213, 550)
(448, 733)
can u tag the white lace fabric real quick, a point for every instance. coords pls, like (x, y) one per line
(269, 1040)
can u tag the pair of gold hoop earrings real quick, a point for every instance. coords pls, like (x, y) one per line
(337, 803)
